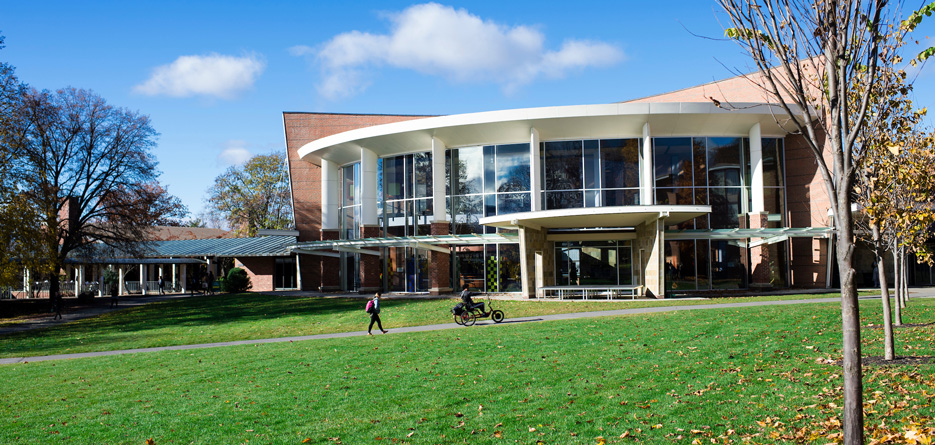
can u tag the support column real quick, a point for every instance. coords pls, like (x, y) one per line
(27, 283)
(440, 263)
(183, 277)
(330, 266)
(330, 202)
(174, 281)
(646, 168)
(368, 188)
(531, 241)
(143, 270)
(757, 200)
(121, 273)
(439, 203)
(759, 255)
(79, 278)
(298, 271)
(535, 179)
(651, 252)
(370, 267)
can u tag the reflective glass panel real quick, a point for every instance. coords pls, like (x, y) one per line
(509, 268)
(592, 165)
(490, 169)
(394, 177)
(471, 267)
(772, 163)
(620, 163)
(727, 266)
(672, 159)
(512, 203)
(680, 265)
(513, 168)
(563, 165)
(699, 154)
(467, 212)
(612, 198)
(725, 207)
(564, 200)
(724, 163)
(422, 174)
(469, 163)
(680, 196)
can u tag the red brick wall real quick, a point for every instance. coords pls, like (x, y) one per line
(260, 271)
(300, 129)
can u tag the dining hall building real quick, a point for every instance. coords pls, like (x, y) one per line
(702, 189)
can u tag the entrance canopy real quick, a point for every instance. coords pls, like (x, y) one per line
(594, 217)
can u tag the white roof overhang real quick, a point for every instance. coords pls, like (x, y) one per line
(597, 217)
(618, 120)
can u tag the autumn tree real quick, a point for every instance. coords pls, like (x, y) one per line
(894, 182)
(255, 196)
(86, 170)
(811, 57)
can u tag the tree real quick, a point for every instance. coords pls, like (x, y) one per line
(894, 183)
(256, 196)
(811, 58)
(85, 168)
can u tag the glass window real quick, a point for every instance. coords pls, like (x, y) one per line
(564, 200)
(510, 273)
(725, 207)
(512, 203)
(772, 163)
(513, 168)
(563, 165)
(471, 270)
(680, 265)
(727, 266)
(490, 168)
(699, 154)
(468, 210)
(422, 174)
(394, 177)
(592, 165)
(680, 196)
(469, 163)
(620, 163)
(672, 158)
(724, 163)
(620, 197)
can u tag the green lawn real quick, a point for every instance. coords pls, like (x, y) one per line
(748, 375)
(221, 318)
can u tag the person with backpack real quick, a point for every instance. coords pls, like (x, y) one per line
(373, 308)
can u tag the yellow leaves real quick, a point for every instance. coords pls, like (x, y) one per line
(498, 434)
(150, 441)
(307, 440)
(914, 437)
(600, 440)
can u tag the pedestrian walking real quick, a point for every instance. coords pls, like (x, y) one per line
(162, 285)
(373, 308)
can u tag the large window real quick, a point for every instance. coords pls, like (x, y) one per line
(486, 181)
(590, 173)
(588, 263)
(406, 184)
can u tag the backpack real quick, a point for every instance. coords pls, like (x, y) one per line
(369, 308)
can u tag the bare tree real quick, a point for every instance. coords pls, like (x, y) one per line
(811, 58)
(85, 168)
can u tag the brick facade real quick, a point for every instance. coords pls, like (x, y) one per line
(260, 271)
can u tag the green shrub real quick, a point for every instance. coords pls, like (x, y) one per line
(236, 281)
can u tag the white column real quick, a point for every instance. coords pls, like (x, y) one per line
(79, 278)
(330, 201)
(756, 170)
(368, 187)
(646, 168)
(183, 277)
(174, 282)
(27, 283)
(298, 272)
(535, 179)
(143, 269)
(122, 270)
(439, 203)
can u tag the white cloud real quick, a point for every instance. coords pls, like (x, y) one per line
(454, 44)
(234, 153)
(209, 75)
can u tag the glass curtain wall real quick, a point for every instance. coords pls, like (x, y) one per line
(350, 218)
(587, 263)
(405, 203)
(590, 173)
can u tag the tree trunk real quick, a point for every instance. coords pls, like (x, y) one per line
(853, 419)
(897, 290)
(888, 337)
(905, 280)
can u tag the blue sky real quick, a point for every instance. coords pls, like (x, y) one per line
(216, 76)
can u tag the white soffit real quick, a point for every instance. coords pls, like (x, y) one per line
(593, 217)
(620, 120)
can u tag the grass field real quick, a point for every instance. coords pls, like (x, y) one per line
(221, 318)
(754, 375)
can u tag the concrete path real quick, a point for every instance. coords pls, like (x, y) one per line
(913, 293)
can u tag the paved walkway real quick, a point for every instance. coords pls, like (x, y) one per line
(913, 293)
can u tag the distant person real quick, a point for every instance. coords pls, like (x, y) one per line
(211, 282)
(469, 303)
(373, 308)
(56, 306)
(162, 285)
(113, 295)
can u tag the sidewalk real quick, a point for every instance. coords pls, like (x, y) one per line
(928, 292)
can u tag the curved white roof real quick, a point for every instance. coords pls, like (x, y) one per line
(618, 120)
